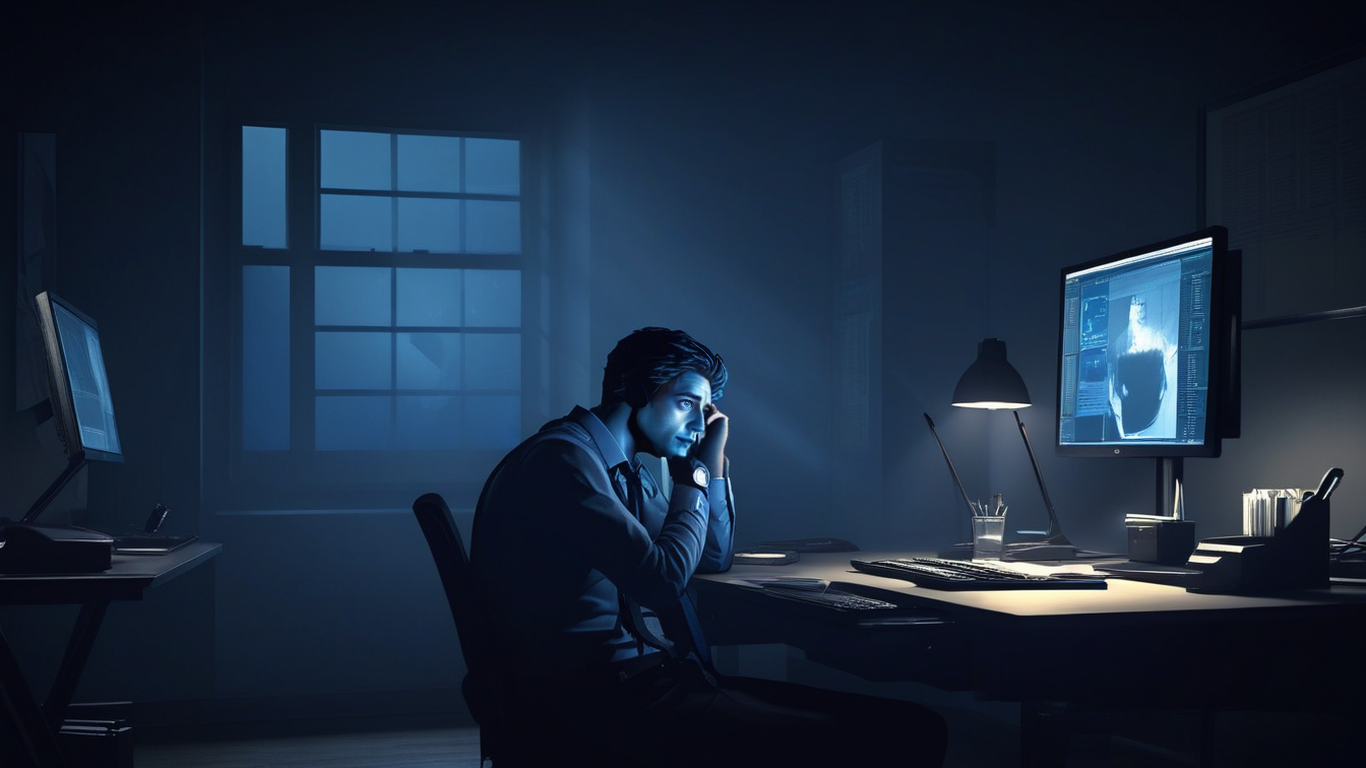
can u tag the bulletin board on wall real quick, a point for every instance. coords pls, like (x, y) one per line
(1283, 167)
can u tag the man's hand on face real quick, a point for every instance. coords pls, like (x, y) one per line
(711, 449)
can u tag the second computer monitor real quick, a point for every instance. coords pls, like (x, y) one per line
(1143, 338)
(79, 387)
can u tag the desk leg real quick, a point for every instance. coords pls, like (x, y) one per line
(73, 663)
(38, 743)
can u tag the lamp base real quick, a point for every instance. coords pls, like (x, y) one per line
(1030, 551)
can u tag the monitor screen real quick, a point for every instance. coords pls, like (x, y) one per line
(1140, 350)
(79, 387)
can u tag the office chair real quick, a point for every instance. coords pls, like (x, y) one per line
(480, 689)
(487, 687)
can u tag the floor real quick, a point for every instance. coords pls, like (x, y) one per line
(975, 741)
(432, 748)
(981, 746)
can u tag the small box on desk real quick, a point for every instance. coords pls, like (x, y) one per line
(1168, 542)
(43, 548)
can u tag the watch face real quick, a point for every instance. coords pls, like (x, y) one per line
(701, 477)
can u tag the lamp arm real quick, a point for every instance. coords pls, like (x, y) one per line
(972, 510)
(1055, 534)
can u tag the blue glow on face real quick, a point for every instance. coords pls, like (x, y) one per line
(675, 417)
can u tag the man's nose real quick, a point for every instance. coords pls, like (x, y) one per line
(696, 423)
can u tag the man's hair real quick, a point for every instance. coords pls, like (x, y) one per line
(643, 361)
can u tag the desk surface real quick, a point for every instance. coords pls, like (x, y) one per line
(1121, 597)
(127, 578)
(1152, 642)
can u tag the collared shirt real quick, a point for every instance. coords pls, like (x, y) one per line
(554, 541)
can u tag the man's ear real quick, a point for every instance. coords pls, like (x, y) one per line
(637, 396)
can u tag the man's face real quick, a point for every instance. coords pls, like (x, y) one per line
(674, 417)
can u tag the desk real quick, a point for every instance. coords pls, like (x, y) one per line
(127, 579)
(1131, 646)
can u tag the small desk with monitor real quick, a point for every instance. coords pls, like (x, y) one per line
(35, 724)
(1132, 646)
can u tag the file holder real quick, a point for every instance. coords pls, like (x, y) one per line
(1295, 558)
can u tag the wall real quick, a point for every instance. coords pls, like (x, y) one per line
(711, 135)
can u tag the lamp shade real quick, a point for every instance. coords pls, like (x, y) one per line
(991, 382)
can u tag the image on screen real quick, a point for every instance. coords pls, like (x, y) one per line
(1137, 348)
(84, 363)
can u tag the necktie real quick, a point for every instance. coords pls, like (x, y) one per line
(630, 609)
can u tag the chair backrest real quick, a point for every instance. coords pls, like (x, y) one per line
(453, 566)
(457, 579)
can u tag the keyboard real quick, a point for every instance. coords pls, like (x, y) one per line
(836, 599)
(943, 573)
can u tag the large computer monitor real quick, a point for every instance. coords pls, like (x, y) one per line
(78, 392)
(1146, 348)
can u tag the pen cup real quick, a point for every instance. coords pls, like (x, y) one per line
(987, 534)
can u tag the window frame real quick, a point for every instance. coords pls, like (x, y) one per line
(301, 476)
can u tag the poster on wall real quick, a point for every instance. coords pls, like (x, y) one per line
(1285, 171)
(34, 263)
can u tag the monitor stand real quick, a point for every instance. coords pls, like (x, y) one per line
(73, 465)
(1169, 478)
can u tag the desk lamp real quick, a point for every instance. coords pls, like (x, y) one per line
(992, 383)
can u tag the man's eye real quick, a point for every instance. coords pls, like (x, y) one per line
(685, 404)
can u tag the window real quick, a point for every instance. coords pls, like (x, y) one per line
(379, 291)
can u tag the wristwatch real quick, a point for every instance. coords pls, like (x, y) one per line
(690, 472)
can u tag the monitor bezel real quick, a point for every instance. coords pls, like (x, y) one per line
(59, 381)
(1212, 444)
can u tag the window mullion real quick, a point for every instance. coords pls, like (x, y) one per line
(302, 180)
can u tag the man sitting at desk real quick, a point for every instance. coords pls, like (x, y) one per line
(583, 562)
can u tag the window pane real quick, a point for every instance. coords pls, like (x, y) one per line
(492, 421)
(493, 361)
(428, 360)
(356, 223)
(354, 160)
(351, 296)
(493, 166)
(353, 360)
(428, 224)
(265, 358)
(429, 297)
(493, 298)
(263, 186)
(429, 423)
(353, 423)
(493, 226)
(429, 163)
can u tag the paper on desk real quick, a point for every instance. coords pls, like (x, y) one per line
(1041, 569)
